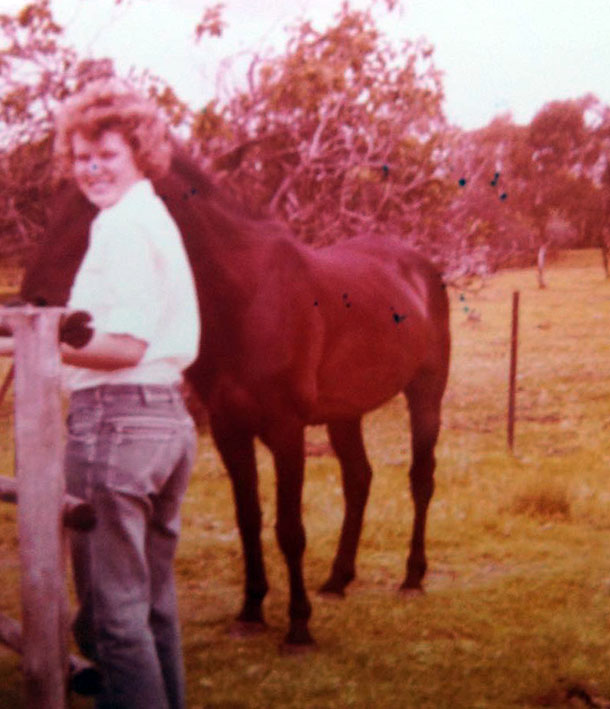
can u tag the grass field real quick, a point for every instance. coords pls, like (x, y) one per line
(517, 609)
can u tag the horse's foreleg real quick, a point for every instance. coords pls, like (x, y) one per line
(424, 406)
(237, 452)
(346, 440)
(287, 447)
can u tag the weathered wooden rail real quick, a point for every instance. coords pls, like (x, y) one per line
(43, 509)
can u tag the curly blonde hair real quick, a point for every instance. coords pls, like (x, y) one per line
(111, 104)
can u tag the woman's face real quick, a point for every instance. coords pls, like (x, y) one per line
(105, 168)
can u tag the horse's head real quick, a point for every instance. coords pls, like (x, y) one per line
(48, 278)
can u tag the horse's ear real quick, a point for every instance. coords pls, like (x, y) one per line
(231, 160)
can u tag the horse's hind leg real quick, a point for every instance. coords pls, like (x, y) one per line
(346, 440)
(237, 451)
(424, 397)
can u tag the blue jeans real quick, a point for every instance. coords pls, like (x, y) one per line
(130, 450)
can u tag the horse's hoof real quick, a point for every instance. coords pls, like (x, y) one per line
(411, 591)
(245, 629)
(331, 596)
(298, 640)
(288, 649)
(331, 591)
(335, 585)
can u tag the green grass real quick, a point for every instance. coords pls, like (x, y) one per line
(517, 609)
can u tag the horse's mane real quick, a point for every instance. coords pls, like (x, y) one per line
(191, 187)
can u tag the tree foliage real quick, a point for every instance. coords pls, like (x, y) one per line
(556, 161)
(482, 230)
(339, 135)
(32, 70)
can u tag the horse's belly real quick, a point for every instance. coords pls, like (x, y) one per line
(349, 391)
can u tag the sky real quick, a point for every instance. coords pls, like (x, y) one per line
(496, 55)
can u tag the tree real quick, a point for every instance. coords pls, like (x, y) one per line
(484, 228)
(601, 178)
(29, 63)
(552, 160)
(340, 135)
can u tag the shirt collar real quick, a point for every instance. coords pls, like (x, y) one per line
(139, 189)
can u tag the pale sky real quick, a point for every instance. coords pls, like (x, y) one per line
(496, 55)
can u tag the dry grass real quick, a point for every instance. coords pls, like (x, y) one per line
(517, 612)
(544, 499)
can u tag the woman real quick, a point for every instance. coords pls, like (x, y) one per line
(131, 442)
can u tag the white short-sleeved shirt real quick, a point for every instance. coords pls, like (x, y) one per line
(135, 279)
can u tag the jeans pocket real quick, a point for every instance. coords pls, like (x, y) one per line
(141, 453)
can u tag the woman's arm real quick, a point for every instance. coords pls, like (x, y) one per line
(104, 351)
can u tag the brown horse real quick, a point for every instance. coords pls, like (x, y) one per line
(292, 336)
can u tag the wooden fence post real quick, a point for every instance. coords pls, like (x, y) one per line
(512, 380)
(40, 491)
